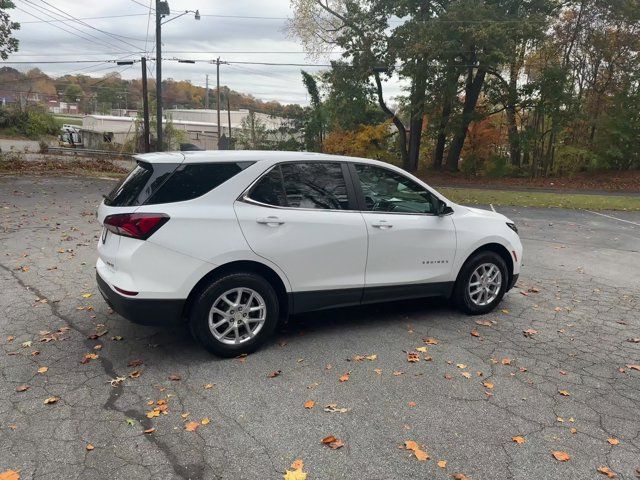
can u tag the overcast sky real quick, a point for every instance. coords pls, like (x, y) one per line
(219, 33)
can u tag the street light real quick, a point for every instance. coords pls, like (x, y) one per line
(163, 10)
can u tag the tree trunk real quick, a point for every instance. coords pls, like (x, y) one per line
(402, 131)
(472, 94)
(447, 108)
(515, 150)
(417, 99)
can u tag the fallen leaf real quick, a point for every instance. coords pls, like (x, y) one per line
(465, 374)
(484, 323)
(131, 422)
(205, 421)
(606, 471)
(149, 430)
(22, 388)
(153, 413)
(43, 369)
(191, 426)
(378, 371)
(87, 295)
(332, 442)
(448, 377)
(475, 333)
(412, 404)
(175, 377)
(442, 463)
(397, 373)
(9, 475)
(51, 400)
(413, 357)
(519, 440)
(185, 415)
(613, 441)
(333, 408)
(135, 363)
(117, 338)
(461, 365)
(488, 385)
(421, 349)
(529, 332)
(95, 336)
(309, 404)
(135, 374)
(296, 473)
(573, 430)
(561, 456)
(634, 367)
(462, 476)
(345, 377)
(506, 361)
(88, 357)
(633, 340)
(420, 454)
(90, 447)
(564, 393)
(430, 341)
(208, 386)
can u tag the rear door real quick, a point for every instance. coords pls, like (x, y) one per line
(408, 242)
(302, 216)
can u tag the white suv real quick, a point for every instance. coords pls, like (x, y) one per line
(233, 242)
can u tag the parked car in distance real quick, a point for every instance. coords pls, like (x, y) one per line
(234, 241)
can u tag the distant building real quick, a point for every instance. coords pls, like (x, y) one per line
(58, 108)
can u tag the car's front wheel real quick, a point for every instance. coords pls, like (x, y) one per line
(235, 314)
(481, 284)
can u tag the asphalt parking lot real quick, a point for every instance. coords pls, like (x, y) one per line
(556, 368)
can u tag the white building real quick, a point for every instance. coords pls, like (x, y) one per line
(201, 126)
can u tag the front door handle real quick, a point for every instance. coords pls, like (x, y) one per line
(382, 225)
(271, 221)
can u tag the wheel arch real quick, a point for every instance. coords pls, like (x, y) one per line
(250, 266)
(496, 248)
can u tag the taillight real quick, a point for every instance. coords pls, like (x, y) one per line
(135, 225)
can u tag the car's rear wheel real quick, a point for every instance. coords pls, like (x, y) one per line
(235, 314)
(481, 284)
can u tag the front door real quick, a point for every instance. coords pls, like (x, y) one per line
(409, 245)
(302, 217)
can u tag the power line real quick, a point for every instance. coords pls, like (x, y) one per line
(100, 42)
(84, 18)
(75, 19)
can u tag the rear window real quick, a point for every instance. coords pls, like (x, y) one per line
(140, 184)
(166, 183)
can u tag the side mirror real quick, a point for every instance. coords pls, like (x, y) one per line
(441, 207)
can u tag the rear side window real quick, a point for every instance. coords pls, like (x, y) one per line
(150, 184)
(140, 184)
(194, 180)
(314, 185)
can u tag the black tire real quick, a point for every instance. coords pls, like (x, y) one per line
(461, 295)
(199, 315)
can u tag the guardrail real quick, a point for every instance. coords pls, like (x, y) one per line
(86, 152)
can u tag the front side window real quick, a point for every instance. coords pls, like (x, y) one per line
(388, 191)
(313, 185)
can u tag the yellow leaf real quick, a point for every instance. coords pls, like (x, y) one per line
(43, 369)
(413, 357)
(430, 341)
(613, 441)
(309, 404)
(606, 471)
(208, 386)
(564, 393)
(153, 413)
(205, 421)
(9, 475)
(461, 365)
(90, 447)
(442, 463)
(518, 439)
(191, 426)
(371, 358)
(488, 385)
(422, 349)
(51, 400)
(421, 455)
(561, 456)
(378, 371)
(345, 377)
(466, 374)
(87, 295)
(295, 475)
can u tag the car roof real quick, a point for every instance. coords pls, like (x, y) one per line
(206, 156)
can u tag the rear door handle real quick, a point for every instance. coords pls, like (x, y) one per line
(271, 221)
(382, 225)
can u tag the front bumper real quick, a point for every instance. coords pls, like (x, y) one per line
(142, 311)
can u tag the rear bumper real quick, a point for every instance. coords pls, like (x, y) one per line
(142, 311)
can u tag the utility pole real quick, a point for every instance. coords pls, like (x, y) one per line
(145, 106)
(206, 97)
(159, 10)
(218, 92)
(229, 118)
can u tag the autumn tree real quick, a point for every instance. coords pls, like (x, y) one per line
(8, 43)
